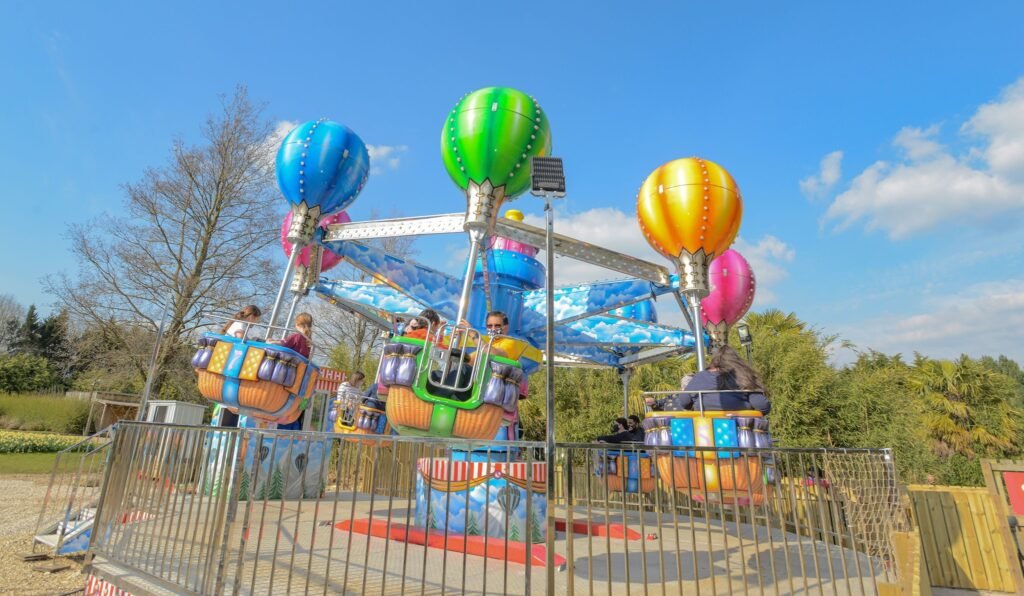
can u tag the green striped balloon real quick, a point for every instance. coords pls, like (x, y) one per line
(491, 135)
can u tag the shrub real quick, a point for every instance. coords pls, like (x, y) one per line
(24, 372)
(45, 413)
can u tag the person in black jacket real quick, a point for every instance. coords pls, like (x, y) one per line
(620, 433)
(727, 371)
(637, 428)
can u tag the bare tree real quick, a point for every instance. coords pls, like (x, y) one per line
(11, 314)
(193, 235)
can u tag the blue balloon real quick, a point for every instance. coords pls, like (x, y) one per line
(322, 163)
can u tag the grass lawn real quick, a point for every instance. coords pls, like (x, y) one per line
(33, 463)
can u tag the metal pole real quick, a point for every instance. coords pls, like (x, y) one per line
(475, 238)
(549, 393)
(296, 249)
(750, 356)
(693, 301)
(152, 364)
(624, 374)
(291, 313)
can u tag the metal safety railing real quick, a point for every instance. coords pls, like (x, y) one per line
(72, 495)
(242, 511)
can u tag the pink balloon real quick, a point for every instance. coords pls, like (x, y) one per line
(329, 259)
(732, 290)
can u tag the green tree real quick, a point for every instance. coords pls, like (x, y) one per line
(969, 412)
(472, 528)
(276, 484)
(243, 487)
(21, 373)
(792, 359)
(1009, 368)
(513, 531)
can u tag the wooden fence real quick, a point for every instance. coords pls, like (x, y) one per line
(960, 538)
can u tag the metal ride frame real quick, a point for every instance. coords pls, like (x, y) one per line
(571, 352)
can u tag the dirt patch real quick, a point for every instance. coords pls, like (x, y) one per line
(19, 510)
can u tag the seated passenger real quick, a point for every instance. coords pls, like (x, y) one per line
(727, 371)
(620, 433)
(421, 324)
(459, 374)
(242, 321)
(301, 340)
(636, 428)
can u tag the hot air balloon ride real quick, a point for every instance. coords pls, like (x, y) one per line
(690, 210)
(321, 167)
(434, 386)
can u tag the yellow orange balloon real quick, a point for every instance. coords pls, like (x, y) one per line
(687, 205)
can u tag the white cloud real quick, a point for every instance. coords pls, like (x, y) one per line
(815, 187)
(605, 226)
(385, 157)
(984, 318)
(931, 185)
(272, 144)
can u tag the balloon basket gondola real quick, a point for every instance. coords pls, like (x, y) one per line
(707, 469)
(626, 471)
(253, 378)
(416, 406)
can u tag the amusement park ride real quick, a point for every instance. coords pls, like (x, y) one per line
(460, 382)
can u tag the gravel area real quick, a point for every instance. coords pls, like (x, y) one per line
(19, 508)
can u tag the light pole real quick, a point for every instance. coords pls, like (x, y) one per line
(547, 177)
(746, 339)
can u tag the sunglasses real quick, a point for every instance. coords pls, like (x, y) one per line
(495, 326)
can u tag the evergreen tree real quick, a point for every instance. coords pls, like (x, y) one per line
(472, 528)
(27, 339)
(513, 531)
(277, 484)
(535, 528)
(243, 487)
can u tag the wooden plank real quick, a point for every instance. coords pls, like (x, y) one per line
(940, 536)
(977, 526)
(958, 553)
(974, 568)
(994, 523)
(923, 514)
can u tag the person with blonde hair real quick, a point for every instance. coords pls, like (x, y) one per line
(242, 321)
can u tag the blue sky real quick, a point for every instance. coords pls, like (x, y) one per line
(879, 147)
